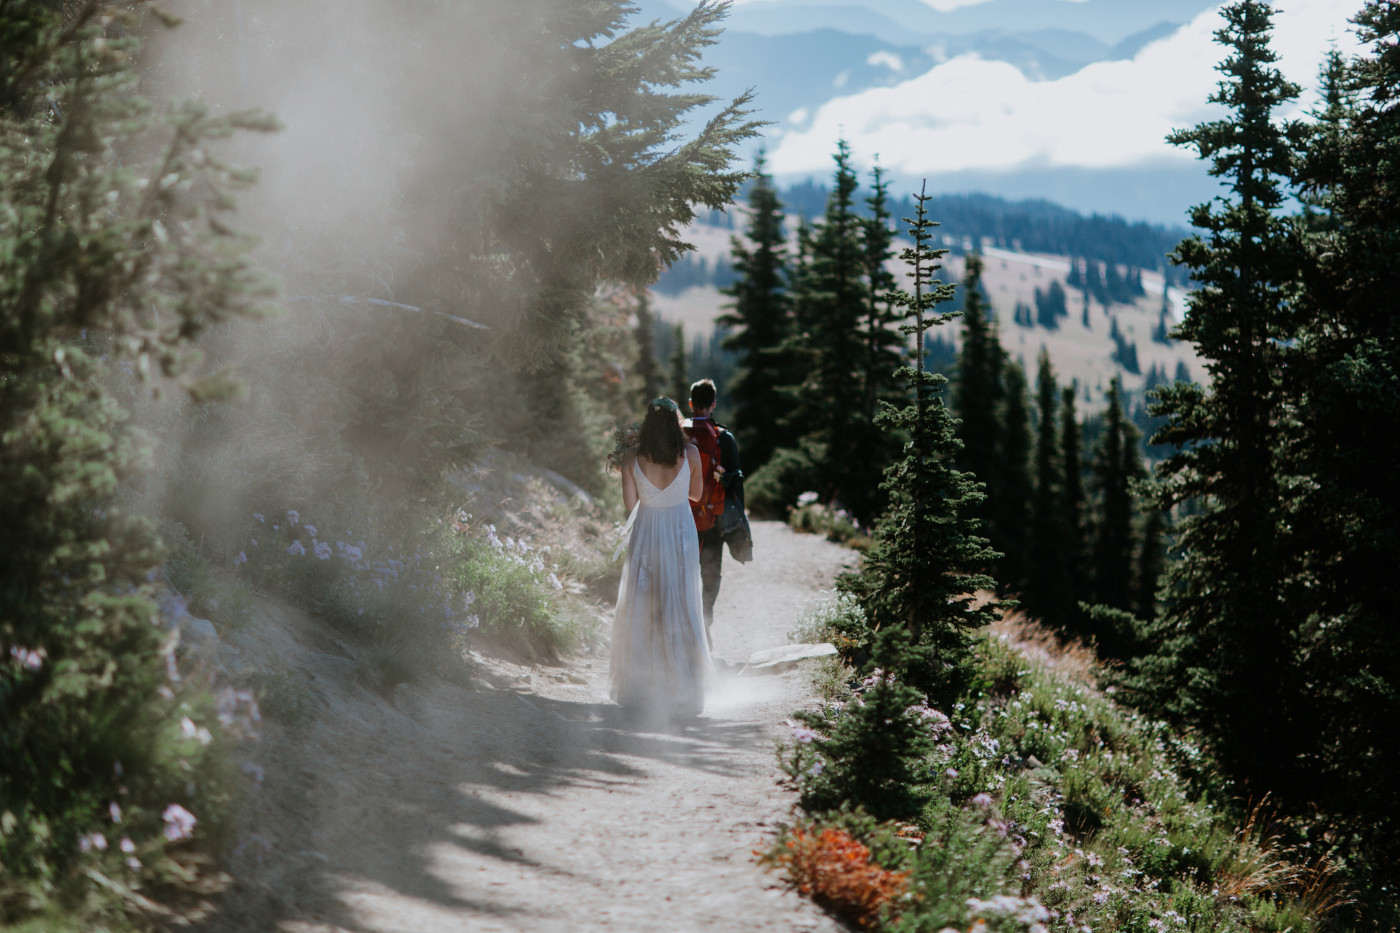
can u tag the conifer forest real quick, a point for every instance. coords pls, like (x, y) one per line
(323, 326)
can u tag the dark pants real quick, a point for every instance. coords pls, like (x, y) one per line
(711, 550)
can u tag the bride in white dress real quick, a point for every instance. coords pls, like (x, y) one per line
(660, 652)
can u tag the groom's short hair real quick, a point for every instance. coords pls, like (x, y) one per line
(702, 394)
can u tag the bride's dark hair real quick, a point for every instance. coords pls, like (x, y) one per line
(661, 439)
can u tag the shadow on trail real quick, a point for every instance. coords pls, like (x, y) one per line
(371, 789)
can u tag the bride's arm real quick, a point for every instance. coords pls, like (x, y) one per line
(629, 483)
(697, 478)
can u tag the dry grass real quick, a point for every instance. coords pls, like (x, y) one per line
(1263, 865)
(1071, 658)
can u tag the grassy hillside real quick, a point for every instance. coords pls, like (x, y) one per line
(1080, 351)
(1049, 807)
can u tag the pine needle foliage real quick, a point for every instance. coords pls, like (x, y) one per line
(829, 295)
(1345, 378)
(922, 570)
(1116, 466)
(1013, 490)
(1226, 629)
(759, 321)
(884, 345)
(648, 367)
(113, 257)
(870, 753)
(1072, 508)
(1048, 593)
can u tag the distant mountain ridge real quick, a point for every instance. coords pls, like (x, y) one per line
(911, 22)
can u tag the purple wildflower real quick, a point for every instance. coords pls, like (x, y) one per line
(242, 558)
(310, 529)
(293, 516)
(190, 731)
(29, 660)
(321, 549)
(296, 549)
(179, 822)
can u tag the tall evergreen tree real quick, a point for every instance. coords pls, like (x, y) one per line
(1151, 557)
(1117, 464)
(648, 368)
(924, 564)
(110, 268)
(883, 348)
(1344, 377)
(978, 393)
(1223, 652)
(879, 325)
(1013, 490)
(1048, 593)
(680, 368)
(829, 297)
(996, 450)
(1072, 511)
(760, 325)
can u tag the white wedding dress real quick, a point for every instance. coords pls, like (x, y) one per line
(660, 652)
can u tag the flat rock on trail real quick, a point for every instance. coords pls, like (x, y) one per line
(536, 804)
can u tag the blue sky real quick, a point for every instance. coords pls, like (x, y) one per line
(969, 114)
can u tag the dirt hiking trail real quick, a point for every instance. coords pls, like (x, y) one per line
(530, 802)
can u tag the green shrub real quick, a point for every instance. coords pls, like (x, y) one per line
(518, 597)
(1052, 808)
(868, 752)
(209, 593)
(775, 486)
(112, 765)
(840, 620)
(416, 600)
(284, 696)
(834, 524)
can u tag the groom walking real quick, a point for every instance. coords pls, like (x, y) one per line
(717, 447)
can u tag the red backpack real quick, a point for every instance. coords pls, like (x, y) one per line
(711, 505)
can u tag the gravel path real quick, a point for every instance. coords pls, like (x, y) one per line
(535, 805)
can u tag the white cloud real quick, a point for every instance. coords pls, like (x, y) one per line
(890, 60)
(946, 6)
(982, 115)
